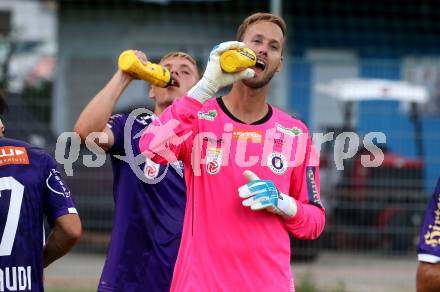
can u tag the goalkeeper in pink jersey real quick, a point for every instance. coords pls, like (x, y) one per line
(254, 174)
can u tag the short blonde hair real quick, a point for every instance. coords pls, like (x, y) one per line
(257, 17)
(181, 55)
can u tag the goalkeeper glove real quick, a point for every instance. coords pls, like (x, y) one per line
(214, 78)
(262, 194)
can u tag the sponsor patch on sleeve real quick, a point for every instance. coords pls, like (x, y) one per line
(432, 234)
(13, 155)
(56, 184)
(311, 186)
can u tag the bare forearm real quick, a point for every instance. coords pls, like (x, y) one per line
(95, 115)
(428, 277)
(64, 235)
(55, 248)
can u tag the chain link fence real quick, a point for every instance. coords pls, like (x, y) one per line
(368, 209)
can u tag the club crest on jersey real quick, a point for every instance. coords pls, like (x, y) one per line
(144, 120)
(277, 163)
(151, 169)
(210, 115)
(289, 131)
(56, 184)
(213, 160)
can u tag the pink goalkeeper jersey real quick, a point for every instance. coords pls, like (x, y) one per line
(226, 246)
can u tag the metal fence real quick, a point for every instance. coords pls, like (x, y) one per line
(368, 209)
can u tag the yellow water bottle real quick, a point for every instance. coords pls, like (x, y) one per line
(152, 73)
(236, 60)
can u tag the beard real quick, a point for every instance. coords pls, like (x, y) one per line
(259, 83)
(165, 102)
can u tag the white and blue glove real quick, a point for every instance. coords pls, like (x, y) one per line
(262, 194)
(214, 78)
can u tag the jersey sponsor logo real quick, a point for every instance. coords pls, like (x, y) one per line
(248, 135)
(311, 186)
(16, 278)
(13, 155)
(56, 184)
(432, 235)
(210, 115)
(213, 160)
(277, 163)
(278, 142)
(213, 141)
(151, 169)
(294, 131)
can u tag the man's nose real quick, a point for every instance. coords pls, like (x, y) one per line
(174, 73)
(262, 49)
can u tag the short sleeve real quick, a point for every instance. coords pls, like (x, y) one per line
(116, 124)
(57, 199)
(429, 238)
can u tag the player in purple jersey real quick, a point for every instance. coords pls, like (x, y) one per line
(428, 272)
(30, 189)
(2, 109)
(150, 200)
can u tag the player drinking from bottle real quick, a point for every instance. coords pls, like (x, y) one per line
(254, 176)
(149, 210)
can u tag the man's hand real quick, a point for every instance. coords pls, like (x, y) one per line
(214, 78)
(142, 58)
(262, 194)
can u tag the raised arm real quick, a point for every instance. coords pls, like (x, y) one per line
(166, 138)
(96, 114)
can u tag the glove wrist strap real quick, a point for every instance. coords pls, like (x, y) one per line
(203, 90)
(286, 206)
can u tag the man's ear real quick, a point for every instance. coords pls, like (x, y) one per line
(280, 65)
(151, 93)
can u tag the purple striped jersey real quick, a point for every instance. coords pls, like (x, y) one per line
(149, 206)
(31, 188)
(429, 241)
